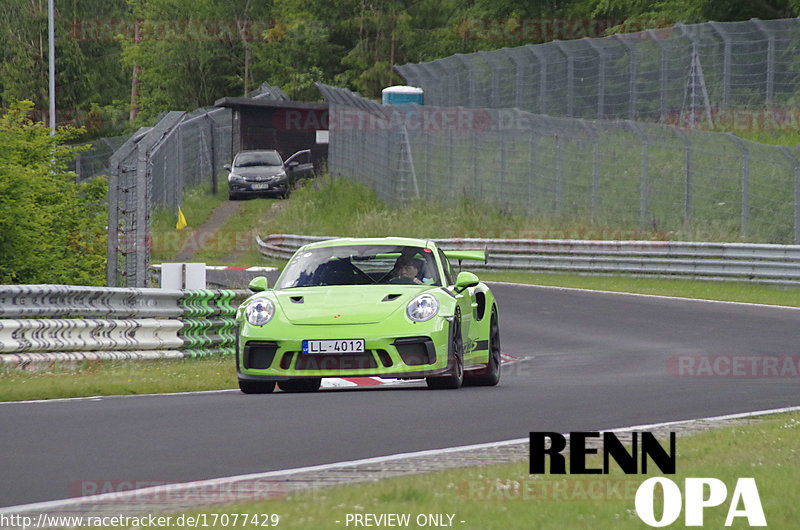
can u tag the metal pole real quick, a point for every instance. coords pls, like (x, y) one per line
(796, 166)
(745, 183)
(644, 182)
(532, 175)
(558, 183)
(51, 33)
(213, 155)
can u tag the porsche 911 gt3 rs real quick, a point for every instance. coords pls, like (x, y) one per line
(382, 307)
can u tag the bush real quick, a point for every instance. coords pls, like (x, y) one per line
(52, 229)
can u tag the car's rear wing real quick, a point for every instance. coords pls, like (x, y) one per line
(477, 255)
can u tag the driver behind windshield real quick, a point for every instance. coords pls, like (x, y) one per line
(406, 270)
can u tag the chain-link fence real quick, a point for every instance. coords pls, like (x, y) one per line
(152, 169)
(684, 73)
(94, 161)
(618, 174)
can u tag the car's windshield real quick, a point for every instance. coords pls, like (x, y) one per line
(258, 158)
(361, 265)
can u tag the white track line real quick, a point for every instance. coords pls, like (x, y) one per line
(224, 481)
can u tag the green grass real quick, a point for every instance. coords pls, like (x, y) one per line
(789, 138)
(236, 237)
(346, 208)
(104, 378)
(198, 205)
(492, 496)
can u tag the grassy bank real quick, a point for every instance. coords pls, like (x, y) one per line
(108, 378)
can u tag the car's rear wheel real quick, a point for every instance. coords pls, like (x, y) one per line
(489, 375)
(456, 360)
(310, 384)
(257, 387)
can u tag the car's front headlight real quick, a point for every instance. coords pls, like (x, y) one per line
(259, 311)
(280, 176)
(233, 177)
(423, 307)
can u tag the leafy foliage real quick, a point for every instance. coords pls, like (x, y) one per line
(52, 229)
(198, 51)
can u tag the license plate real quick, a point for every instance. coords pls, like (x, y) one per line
(259, 186)
(334, 346)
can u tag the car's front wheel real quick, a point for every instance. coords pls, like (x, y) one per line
(455, 354)
(257, 387)
(310, 384)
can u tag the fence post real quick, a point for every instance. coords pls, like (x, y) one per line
(558, 177)
(796, 166)
(687, 189)
(601, 78)
(644, 183)
(532, 174)
(745, 183)
(475, 175)
(633, 68)
(113, 223)
(595, 178)
(213, 157)
(770, 81)
(662, 76)
(470, 96)
(570, 78)
(726, 63)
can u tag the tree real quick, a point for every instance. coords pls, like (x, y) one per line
(52, 229)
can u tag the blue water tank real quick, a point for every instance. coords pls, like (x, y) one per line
(398, 95)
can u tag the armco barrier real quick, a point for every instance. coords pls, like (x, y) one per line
(54, 323)
(713, 261)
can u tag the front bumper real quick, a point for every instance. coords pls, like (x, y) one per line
(260, 358)
(257, 188)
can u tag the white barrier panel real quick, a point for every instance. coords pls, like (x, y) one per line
(48, 335)
(71, 300)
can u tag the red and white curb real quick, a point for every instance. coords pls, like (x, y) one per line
(351, 382)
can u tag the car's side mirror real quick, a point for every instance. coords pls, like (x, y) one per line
(293, 164)
(466, 280)
(226, 167)
(258, 284)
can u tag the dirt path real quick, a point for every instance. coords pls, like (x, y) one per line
(209, 233)
(209, 229)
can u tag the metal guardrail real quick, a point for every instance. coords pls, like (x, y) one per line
(714, 261)
(56, 323)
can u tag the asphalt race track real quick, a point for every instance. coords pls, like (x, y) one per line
(591, 361)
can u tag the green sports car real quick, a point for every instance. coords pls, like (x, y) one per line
(382, 307)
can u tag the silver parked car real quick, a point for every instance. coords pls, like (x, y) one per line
(265, 173)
